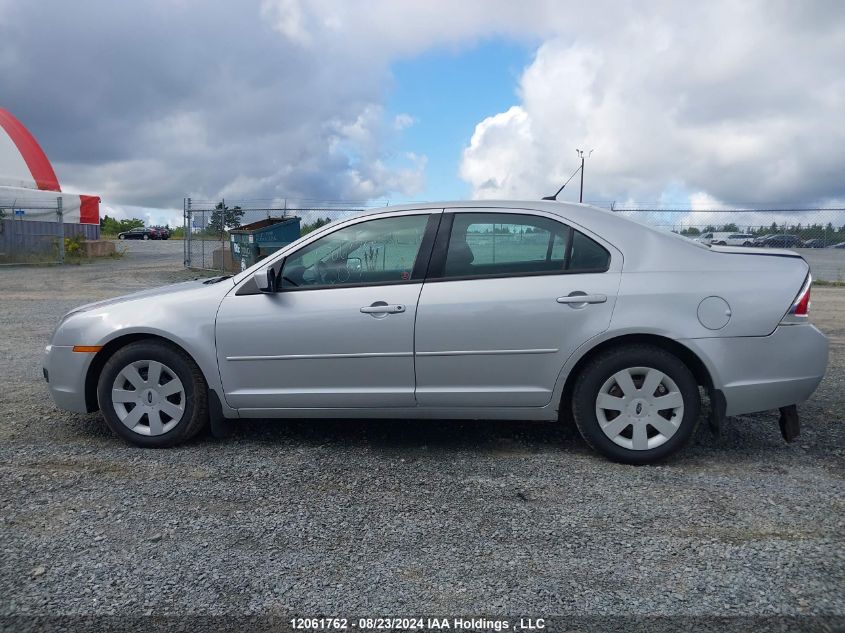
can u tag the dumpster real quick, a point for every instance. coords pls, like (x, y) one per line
(253, 242)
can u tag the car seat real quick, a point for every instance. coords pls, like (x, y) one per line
(459, 259)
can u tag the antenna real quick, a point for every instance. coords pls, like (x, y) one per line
(580, 153)
(557, 193)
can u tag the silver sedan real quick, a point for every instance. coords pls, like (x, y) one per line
(485, 310)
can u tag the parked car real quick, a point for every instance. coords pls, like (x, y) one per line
(738, 239)
(758, 241)
(140, 233)
(163, 232)
(478, 310)
(839, 245)
(718, 239)
(783, 241)
(815, 243)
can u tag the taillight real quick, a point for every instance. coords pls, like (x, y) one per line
(799, 311)
(802, 306)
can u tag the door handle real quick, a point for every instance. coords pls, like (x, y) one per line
(580, 297)
(379, 307)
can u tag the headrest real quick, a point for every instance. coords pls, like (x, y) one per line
(460, 254)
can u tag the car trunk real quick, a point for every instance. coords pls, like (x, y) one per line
(776, 276)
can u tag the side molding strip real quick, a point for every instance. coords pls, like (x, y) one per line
(488, 352)
(324, 356)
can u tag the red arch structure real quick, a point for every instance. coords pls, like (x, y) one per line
(26, 175)
(40, 169)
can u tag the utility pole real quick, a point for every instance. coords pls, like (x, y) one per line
(580, 153)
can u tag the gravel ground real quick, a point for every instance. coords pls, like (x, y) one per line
(400, 517)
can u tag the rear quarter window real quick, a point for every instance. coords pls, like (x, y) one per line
(587, 254)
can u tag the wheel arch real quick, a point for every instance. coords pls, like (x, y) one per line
(95, 369)
(697, 366)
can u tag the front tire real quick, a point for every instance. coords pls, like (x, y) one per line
(121, 237)
(153, 395)
(636, 404)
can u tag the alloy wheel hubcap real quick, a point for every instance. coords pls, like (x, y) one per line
(148, 397)
(639, 408)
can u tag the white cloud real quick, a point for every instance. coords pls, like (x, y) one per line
(491, 173)
(403, 121)
(739, 101)
(287, 17)
(702, 201)
(742, 103)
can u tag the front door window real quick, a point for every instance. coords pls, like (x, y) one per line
(373, 252)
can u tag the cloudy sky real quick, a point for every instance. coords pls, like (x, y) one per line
(703, 103)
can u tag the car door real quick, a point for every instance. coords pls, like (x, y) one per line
(339, 333)
(509, 297)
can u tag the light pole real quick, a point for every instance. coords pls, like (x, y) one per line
(580, 153)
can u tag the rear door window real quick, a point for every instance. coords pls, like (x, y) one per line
(505, 244)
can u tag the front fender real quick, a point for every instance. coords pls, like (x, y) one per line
(185, 318)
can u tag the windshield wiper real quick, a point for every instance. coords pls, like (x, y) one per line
(215, 280)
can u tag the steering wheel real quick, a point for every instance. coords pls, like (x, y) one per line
(322, 272)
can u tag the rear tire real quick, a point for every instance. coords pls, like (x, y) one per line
(146, 237)
(618, 409)
(153, 395)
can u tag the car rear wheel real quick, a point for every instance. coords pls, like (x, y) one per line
(636, 404)
(153, 395)
(146, 237)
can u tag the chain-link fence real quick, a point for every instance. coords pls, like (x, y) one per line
(817, 233)
(31, 233)
(793, 227)
(229, 235)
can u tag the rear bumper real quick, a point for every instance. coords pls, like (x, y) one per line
(65, 371)
(759, 373)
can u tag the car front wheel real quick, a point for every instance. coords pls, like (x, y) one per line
(153, 395)
(636, 404)
(121, 237)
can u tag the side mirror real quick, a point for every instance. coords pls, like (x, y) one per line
(266, 280)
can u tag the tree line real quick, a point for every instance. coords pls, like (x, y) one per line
(803, 231)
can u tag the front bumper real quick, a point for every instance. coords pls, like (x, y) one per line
(760, 373)
(65, 372)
